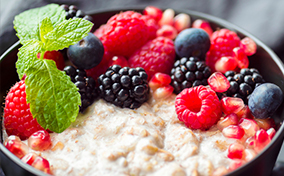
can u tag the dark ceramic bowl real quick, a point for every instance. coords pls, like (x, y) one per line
(264, 60)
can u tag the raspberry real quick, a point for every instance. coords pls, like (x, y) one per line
(56, 56)
(18, 119)
(198, 107)
(157, 55)
(222, 44)
(152, 25)
(124, 33)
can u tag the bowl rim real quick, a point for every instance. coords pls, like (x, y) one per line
(212, 19)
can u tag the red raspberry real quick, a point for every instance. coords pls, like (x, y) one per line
(124, 33)
(18, 119)
(157, 55)
(152, 25)
(198, 107)
(56, 56)
(222, 44)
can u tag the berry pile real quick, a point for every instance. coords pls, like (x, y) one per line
(124, 87)
(189, 72)
(72, 11)
(242, 84)
(86, 85)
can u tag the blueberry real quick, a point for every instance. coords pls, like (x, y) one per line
(192, 42)
(87, 53)
(264, 100)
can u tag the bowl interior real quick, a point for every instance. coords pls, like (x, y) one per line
(264, 60)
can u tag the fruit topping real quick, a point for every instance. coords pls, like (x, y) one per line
(18, 119)
(124, 87)
(16, 146)
(72, 11)
(242, 84)
(261, 140)
(231, 119)
(167, 17)
(167, 31)
(203, 24)
(192, 42)
(87, 53)
(56, 56)
(249, 125)
(264, 100)
(29, 158)
(249, 46)
(153, 12)
(157, 55)
(241, 57)
(181, 22)
(39, 140)
(189, 72)
(124, 33)
(218, 82)
(232, 105)
(163, 92)
(223, 42)
(41, 164)
(198, 107)
(236, 151)
(233, 131)
(159, 80)
(86, 85)
(226, 63)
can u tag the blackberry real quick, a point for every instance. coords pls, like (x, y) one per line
(242, 84)
(72, 11)
(124, 87)
(189, 72)
(86, 85)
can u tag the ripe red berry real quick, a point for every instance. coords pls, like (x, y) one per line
(124, 33)
(198, 107)
(222, 44)
(56, 56)
(18, 119)
(157, 55)
(152, 26)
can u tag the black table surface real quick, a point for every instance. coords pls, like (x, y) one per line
(262, 18)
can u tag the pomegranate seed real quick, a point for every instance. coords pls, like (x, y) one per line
(153, 12)
(225, 64)
(203, 24)
(118, 60)
(167, 31)
(29, 158)
(41, 164)
(233, 131)
(271, 133)
(181, 22)
(241, 57)
(16, 146)
(235, 164)
(250, 142)
(232, 105)
(261, 140)
(167, 17)
(249, 154)
(245, 113)
(159, 80)
(231, 119)
(250, 126)
(39, 140)
(218, 82)
(265, 123)
(236, 151)
(163, 92)
(249, 46)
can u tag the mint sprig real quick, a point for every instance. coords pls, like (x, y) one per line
(54, 99)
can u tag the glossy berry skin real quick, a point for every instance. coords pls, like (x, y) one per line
(192, 42)
(198, 107)
(265, 100)
(18, 119)
(124, 87)
(72, 11)
(87, 53)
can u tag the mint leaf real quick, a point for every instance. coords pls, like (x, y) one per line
(54, 99)
(27, 55)
(27, 23)
(45, 27)
(67, 33)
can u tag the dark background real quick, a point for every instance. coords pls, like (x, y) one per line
(262, 18)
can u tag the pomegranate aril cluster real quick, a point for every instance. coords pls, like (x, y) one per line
(242, 84)
(124, 87)
(86, 85)
(72, 11)
(189, 72)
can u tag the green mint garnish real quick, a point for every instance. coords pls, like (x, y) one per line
(54, 99)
